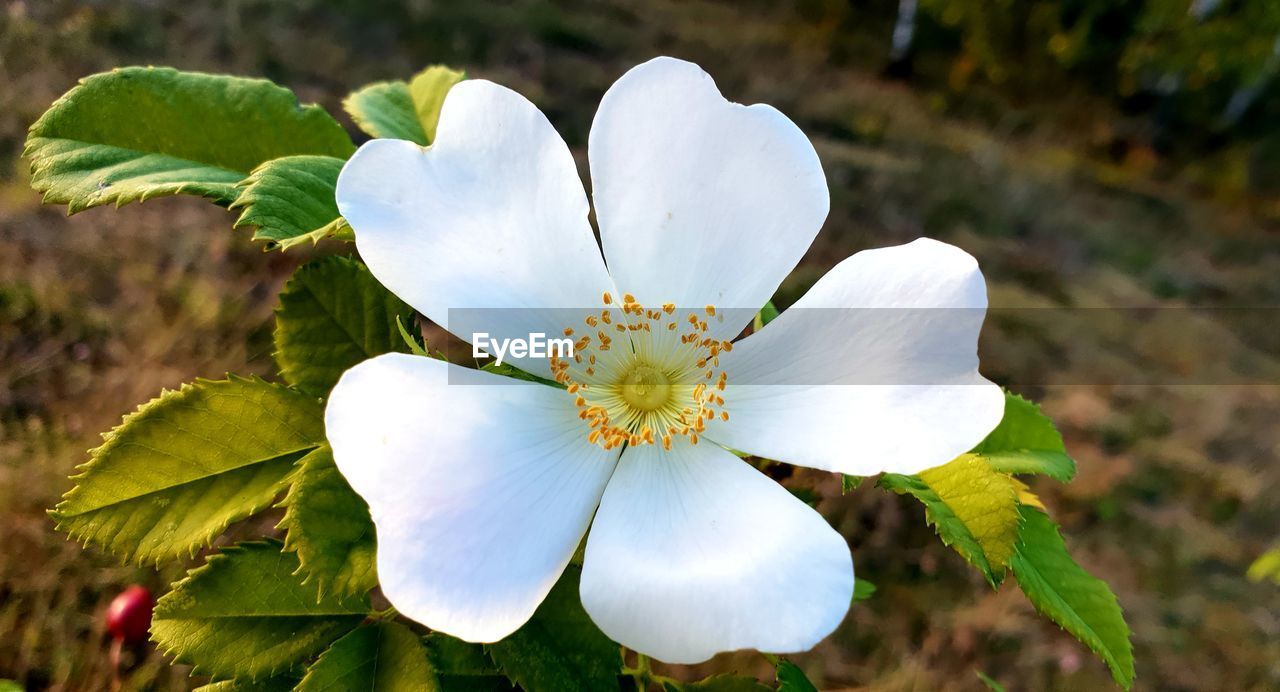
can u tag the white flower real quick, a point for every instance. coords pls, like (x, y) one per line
(481, 494)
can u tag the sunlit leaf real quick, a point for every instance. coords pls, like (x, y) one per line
(973, 508)
(1025, 496)
(140, 132)
(983, 499)
(1065, 593)
(187, 464)
(245, 614)
(333, 314)
(328, 526)
(379, 657)
(385, 109)
(403, 110)
(428, 89)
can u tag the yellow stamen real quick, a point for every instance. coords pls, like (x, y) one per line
(658, 384)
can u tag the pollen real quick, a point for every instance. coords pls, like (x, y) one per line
(656, 380)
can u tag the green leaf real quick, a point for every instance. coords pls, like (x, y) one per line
(509, 370)
(244, 614)
(792, 679)
(989, 681)
(463, 667)
(279, 683)
(973, 508)
(403, 110)
(849, 483)
(333, 314)
(385, 109)
(560, 648)
(863, 589)
(726, 682)
(765, 316)
(379, 657)
(140, 132)
(428, 88)
(1026, 441)
(187, 464)
(328, 526)
(1065, 593)
(290, 201)
(410, 341)
(452, 656)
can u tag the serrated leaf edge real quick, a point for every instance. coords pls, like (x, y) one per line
(157, 558)
(213, 559)
(33, 144)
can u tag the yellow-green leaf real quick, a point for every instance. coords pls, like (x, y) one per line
(187, 464)
(428, 89)
(983, 499)
(973, 508)
(403, 110)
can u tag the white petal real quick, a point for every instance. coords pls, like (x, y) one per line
(694, 552)
(874, 369)
(492, 215)
(700, 201)
(480, 487)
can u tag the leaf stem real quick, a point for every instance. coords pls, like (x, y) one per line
(640, 673)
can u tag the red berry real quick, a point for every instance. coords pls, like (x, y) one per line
(129, 615)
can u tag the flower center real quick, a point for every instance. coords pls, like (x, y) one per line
(646, 388)
(658, 382)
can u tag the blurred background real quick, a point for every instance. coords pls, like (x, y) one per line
(1090, 153)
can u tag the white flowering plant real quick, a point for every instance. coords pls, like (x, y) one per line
(555, 521)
